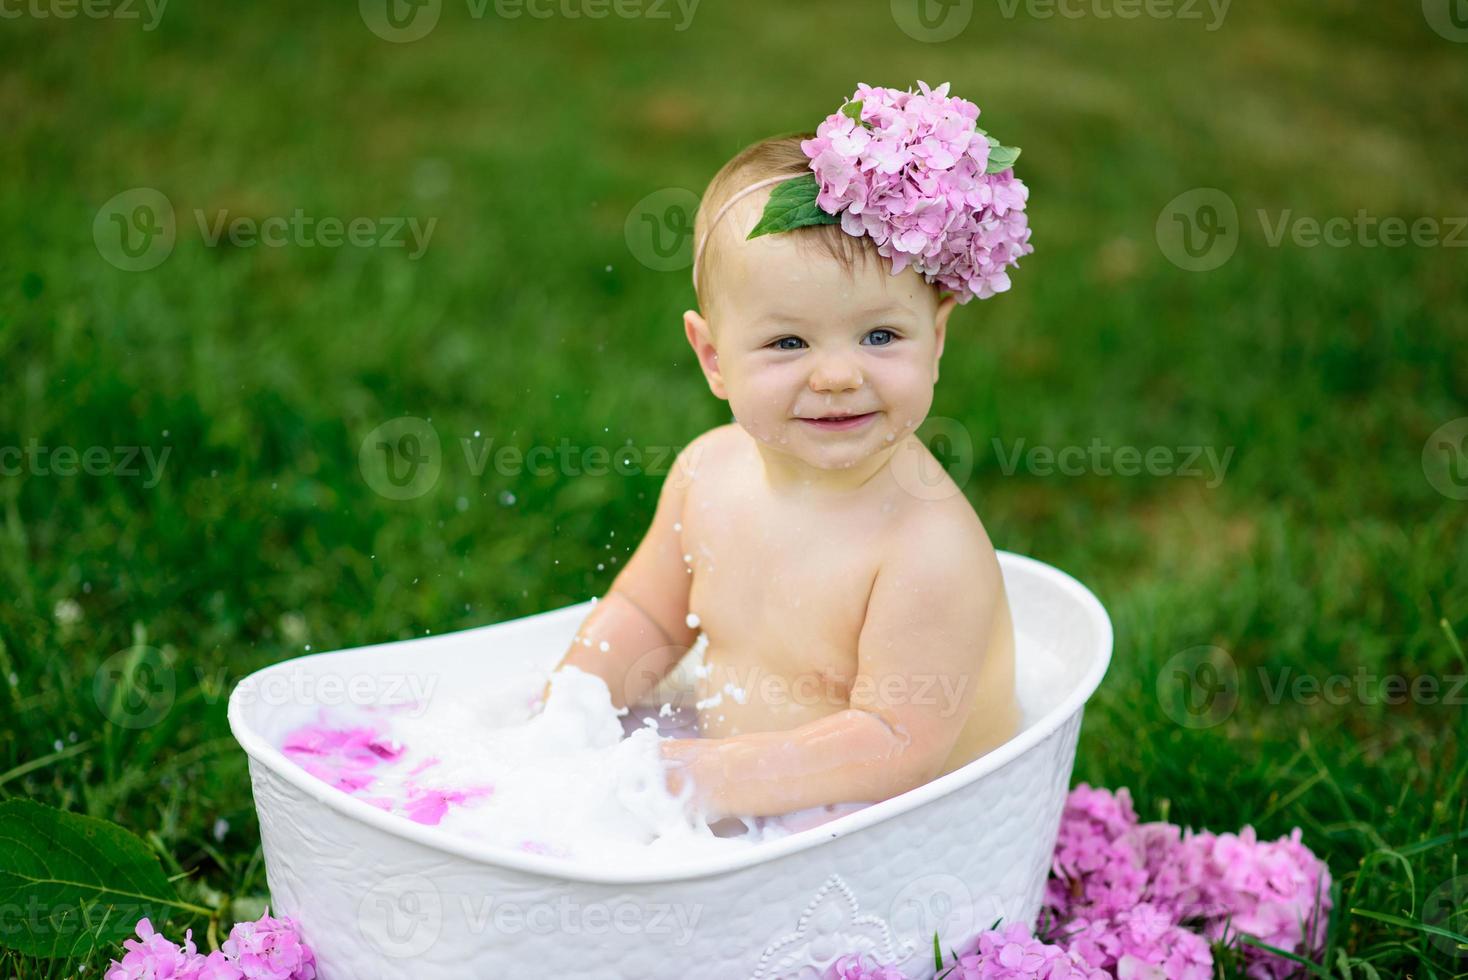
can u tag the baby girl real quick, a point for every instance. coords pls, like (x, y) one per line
(859, 640)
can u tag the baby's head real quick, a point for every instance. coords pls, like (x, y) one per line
(806, 326)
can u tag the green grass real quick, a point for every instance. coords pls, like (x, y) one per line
(1324, 550)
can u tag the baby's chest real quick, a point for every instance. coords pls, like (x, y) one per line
(785, 593)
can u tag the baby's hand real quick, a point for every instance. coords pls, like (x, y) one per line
(679, 755)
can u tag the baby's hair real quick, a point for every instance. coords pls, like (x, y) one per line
(771, 157)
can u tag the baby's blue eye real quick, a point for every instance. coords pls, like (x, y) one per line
(789, 343)
(881, 337)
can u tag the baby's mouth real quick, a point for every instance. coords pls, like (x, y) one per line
(838, 423)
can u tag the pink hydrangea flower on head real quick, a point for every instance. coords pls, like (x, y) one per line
(151, 957)
(912, 173)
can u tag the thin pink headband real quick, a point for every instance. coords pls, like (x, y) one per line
(697, 252)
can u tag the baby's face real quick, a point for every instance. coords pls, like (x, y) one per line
(826, 367)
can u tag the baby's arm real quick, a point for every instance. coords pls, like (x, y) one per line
(642, 618)
(928, 621)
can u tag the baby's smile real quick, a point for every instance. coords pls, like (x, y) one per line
(840, 422)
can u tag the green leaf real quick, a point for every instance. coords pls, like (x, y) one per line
(73, 882)
(937, 953)
(1000, 157)
(853, 111)
(792, 204)
(1396, 920)
(1309, 965)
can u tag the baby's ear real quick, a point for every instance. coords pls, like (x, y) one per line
(701, 339)
(940, 328)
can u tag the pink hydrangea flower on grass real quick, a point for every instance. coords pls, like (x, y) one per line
(1276, 891)
(1012, 953)
(269, 949)
(1126, 893)
(152, 957)
(1144, 942)
(856, 966)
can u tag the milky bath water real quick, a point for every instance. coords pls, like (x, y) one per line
(571, 779)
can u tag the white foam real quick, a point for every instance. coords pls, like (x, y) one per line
(578, 779)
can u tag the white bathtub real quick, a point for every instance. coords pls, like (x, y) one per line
(379, 896)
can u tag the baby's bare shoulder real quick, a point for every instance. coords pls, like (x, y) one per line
(940, 539)
(712, 452)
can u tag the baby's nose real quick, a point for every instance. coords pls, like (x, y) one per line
(835, 373)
